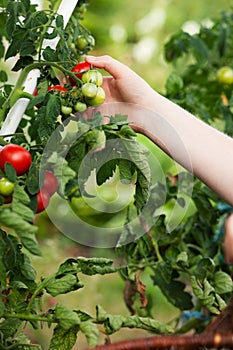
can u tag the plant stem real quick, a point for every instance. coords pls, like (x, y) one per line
(28, 317)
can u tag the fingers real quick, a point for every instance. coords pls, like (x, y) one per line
(112, 66)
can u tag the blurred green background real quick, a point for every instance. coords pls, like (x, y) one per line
(133, 32)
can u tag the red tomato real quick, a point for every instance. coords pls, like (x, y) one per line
(78, 69)
(58, 87)
(17, 156)
(43, 199)
(50, 183)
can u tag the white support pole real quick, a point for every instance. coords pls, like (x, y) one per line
(16, 113)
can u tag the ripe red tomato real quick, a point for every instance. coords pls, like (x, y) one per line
(43, 199)
(50, 183)
(17, 156)
(58, 88)
(79, 69)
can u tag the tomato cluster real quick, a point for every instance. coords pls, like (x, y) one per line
(89, 91)
(21, 160)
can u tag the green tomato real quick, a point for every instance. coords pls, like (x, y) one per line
(80, 106)
(6, 187)
(81, 42)
(89, 90)
(98, 99)
(225, 75)
(93, 76)
(66, 110)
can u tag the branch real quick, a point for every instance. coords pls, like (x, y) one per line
(175, 341)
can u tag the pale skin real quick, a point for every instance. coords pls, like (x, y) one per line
(200, 148)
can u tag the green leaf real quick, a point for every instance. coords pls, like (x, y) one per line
(106, 171)
(20, 204)
(23, 229)
(22, 63)
(93, 266)
(32, 181)
(172, 289)
(10, 172)
(3, 76)
(50, 54)
(59, 21)
(91, 332)
(27, 269)
(63, 339)
(200, 51)
(64, 284)
(113, 323)
(65, 317)
(27, 48)
(222, 282)
(174, 84)
(53, 108)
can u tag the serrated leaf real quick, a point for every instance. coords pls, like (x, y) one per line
(92, 266)
(64, 284)
(23, 229)
(91, 332)
(222, 282)
(63, 339)
(65, 317)
(114, 322)
(20, 204)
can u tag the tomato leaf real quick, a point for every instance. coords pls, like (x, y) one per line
(23, 229)
(91, 332)
(113, 323)
(65, 317)
(63, 284)
(63, 339)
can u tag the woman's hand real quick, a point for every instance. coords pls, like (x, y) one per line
(123, 84)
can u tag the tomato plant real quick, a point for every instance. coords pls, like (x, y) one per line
(185, 263)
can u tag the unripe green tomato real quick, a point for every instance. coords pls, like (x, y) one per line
(225, 75)
(66, 110)
(93, 76)
(89, 90)
(81, 42)
(80, 106)
(98, 99)
(6, 187)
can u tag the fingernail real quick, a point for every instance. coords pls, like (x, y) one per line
(92, 58)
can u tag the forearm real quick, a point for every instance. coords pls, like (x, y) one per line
(194, 144)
